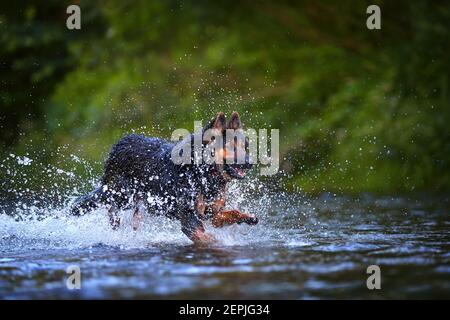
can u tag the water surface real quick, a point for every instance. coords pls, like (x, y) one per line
(302, 249)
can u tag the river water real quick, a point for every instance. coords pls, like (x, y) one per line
(303, 248)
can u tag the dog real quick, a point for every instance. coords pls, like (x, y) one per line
(140, 174)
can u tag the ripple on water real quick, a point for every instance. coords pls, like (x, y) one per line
(299, 250)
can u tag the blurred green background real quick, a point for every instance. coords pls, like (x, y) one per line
(358, 110)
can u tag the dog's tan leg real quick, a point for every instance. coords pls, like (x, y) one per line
(224, 218)
(201, 237)
(193, 228)
(114, 219)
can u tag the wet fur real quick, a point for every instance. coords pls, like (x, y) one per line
(140, 174)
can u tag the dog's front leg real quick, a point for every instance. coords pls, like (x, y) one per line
(193, 228)
(225, 218)
(137, 215)
(114, 219)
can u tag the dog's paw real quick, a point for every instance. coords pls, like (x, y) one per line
(252, 220)
(203, 238)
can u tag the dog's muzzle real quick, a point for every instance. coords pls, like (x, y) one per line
(239, 171)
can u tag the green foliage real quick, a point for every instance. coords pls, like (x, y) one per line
(357, 110)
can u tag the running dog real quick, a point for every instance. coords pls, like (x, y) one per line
(140, 174)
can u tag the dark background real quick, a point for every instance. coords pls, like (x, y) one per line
(358, 110)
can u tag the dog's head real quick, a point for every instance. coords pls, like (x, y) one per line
(228, 145)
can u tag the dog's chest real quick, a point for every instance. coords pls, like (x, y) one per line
(215, 205)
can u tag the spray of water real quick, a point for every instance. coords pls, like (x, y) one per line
(39, 217)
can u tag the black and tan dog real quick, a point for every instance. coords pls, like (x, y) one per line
(140, 174)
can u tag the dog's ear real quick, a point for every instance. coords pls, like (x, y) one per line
(218, 123)
(235, 121)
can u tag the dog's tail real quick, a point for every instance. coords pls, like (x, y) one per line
(88, 202)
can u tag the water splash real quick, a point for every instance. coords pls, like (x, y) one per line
(39, 217)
